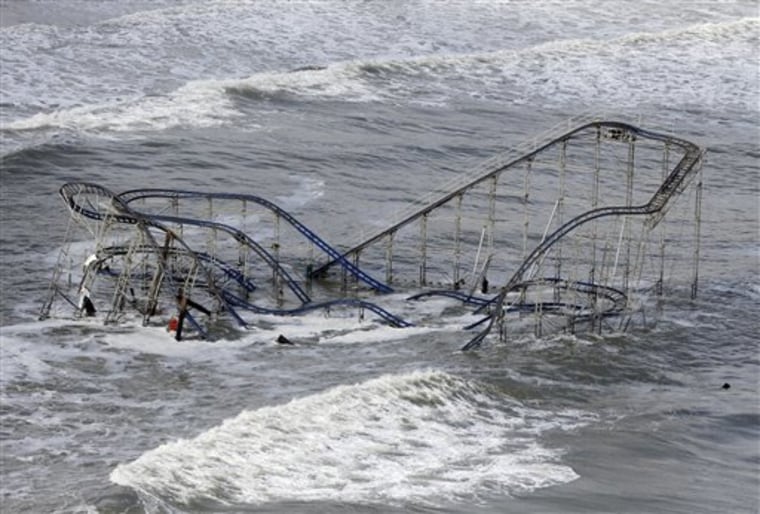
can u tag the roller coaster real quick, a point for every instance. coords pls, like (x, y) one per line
(570, 226)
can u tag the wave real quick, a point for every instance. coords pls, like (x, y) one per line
(341, 80)
(198, 104)
(725, 32)
(631, 69)
(425, 437)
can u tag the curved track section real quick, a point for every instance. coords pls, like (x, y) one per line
(95, 202)
(392, 319)
(242, 238)
(92, 202)
(337, 257)
(496, 166)
(678, 178)
(107, 254)
(561, 237)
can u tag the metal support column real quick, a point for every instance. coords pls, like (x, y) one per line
(526, 202)
(457, 242)
(423, 250)
(661, 276)
(389, 259)
(628, 203)
(697, 229)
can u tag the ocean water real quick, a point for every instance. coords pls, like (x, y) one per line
(339, 111)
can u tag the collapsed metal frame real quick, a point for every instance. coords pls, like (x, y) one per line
(145, 261)
(543, 277)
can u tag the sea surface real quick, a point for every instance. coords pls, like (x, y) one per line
(335, 110)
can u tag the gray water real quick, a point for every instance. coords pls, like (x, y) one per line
(339, 110)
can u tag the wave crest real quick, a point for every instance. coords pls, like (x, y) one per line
(423, 437)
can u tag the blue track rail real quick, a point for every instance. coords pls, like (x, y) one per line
(675, 181)
(392, 319)
(242, 238)
(230, 271)
(233, 299)
(75, 194)
(87, 201)
(76, 197)
(337, 257)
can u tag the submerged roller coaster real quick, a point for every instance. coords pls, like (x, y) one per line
(572, 230)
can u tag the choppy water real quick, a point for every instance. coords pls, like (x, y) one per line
(342, 111)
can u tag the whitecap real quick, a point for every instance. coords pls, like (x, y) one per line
(425, 437)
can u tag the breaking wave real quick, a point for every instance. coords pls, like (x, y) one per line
(423, 437)
(555, 71)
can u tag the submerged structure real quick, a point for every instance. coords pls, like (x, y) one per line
(572, 230)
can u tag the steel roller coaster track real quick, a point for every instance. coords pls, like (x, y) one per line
(170, 262)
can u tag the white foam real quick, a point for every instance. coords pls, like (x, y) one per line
(423, 437)
(18, 358)
(319, 326)
(307, 190)
(197, 103)
(342, 80)
(669, 66)
(630, 69)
